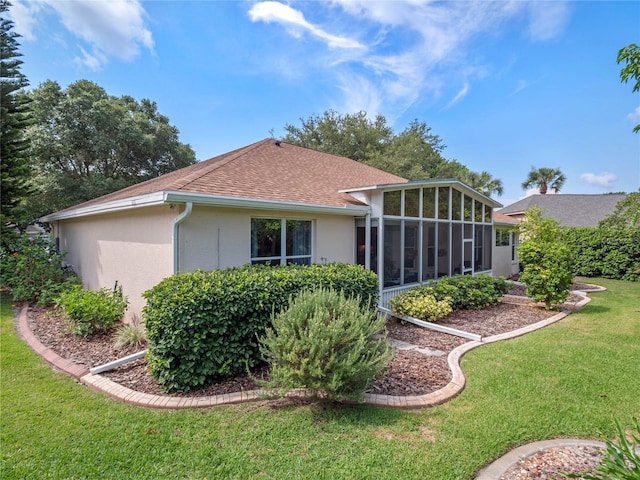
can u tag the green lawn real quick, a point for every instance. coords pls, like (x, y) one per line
(569, 379)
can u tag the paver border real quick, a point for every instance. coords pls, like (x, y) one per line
(500, 466)
(114, 390)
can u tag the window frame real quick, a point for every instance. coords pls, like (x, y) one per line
(283, 258)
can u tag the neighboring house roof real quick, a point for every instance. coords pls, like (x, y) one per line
(502, 219)
(264, 171)
(568, 209)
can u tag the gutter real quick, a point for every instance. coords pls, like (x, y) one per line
(176, 235)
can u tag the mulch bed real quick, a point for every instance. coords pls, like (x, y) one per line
(410, 372)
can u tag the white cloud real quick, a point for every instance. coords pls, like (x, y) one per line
(635, 115)
(24, 16)
(434, 46)
(459, 96)
(605, 179)
(547, 19)
(295, 22)
(114, 28)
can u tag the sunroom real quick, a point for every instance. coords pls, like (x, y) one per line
(423, 230)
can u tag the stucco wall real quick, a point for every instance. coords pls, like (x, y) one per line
(503, 266)
(217, 238)
(135, 247)
(132, 247)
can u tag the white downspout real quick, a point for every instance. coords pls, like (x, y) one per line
(176, 243)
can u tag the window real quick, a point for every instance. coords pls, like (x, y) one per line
(412, 203)
(502, 238)
(443, 203)
(429, 203)
(392, 203)
(279, 241)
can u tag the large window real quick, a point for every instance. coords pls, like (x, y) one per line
(278, 241)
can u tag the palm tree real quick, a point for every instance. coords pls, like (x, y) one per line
(544, 178)
(483, 182)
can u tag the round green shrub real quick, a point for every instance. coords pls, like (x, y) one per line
(202, 326)
(327, 343)
(90, 311)
(420, 303)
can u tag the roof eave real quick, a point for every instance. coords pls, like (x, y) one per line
(146, 200)
(262, 204)
(164, 197)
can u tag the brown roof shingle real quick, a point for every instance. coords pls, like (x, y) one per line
(266, 170)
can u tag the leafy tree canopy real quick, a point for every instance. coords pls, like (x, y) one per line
(14, 119)
(544, 178)
(630, 55)
(86, 143)
(415, 153)
(626, 213)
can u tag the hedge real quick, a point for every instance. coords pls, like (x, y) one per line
(606, 252)
(204, 325)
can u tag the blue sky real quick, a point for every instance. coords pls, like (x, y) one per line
(507, 85)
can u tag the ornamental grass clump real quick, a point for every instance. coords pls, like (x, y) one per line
(326, 343)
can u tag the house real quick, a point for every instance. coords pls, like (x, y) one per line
(568, 210)
(273, 202)
(505, 253)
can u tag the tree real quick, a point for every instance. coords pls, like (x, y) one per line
(630, 55)
(546, 259)
(87, 143)
(350, 135)
(543, 178)
(14, 119)
(415, 153)
(626, 213)
(483, 182)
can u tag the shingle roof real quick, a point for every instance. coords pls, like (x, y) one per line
(502, 218)
(265, 170)
(568, 209)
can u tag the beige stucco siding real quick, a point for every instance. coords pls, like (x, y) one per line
(503, 265)
(217, 238)
(132, 247)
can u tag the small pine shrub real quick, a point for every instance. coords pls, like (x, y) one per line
(420, 303)
(130, 335)
(32, 269)
(90, 311)
(327, 343)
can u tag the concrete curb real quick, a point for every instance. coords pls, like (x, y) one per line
(114, 390)
(500, 466)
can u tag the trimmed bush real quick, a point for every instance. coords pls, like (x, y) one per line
(471, 292)
(90, 311)
(32, 269)
(204, 325)
(606, 252)
(420, 303)
(327, 343)
(439, 298)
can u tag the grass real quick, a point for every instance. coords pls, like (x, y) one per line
(570, 379)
